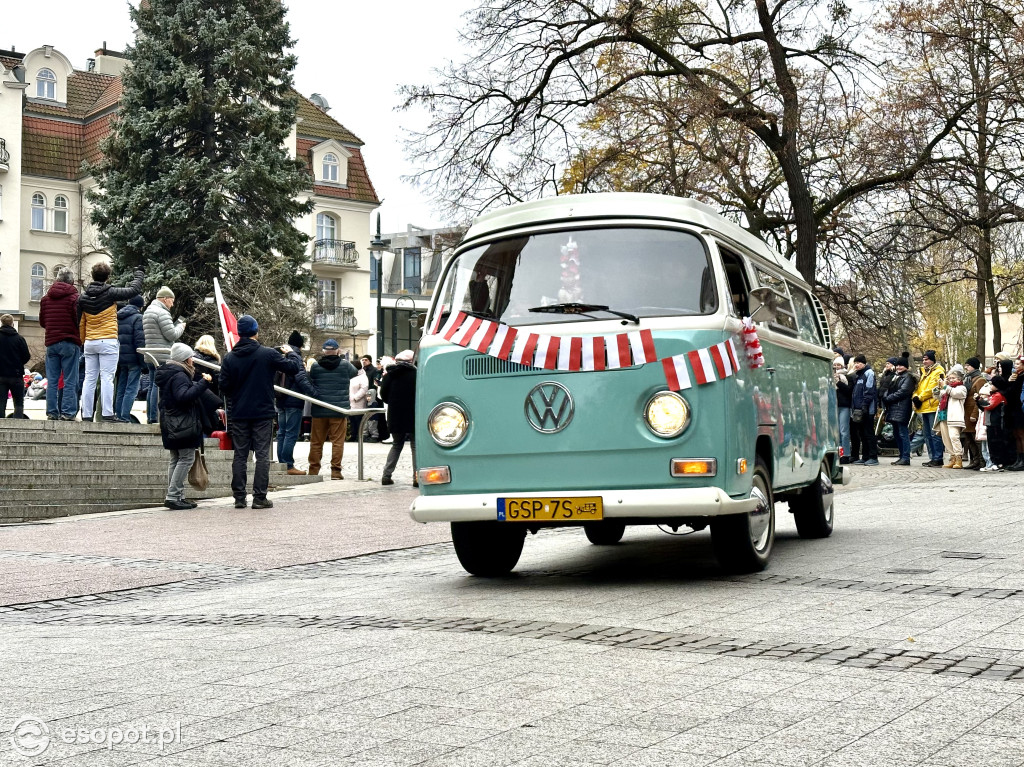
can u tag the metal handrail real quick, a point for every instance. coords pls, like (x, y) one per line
(339, 252)
(281, 390)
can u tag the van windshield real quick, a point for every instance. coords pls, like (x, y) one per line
(583, 274)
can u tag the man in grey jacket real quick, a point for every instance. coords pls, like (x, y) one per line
(161, 332)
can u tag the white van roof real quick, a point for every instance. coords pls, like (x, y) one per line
(625, 205)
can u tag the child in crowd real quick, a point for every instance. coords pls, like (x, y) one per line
(950, 417)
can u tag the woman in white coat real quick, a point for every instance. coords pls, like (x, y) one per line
(357, 388)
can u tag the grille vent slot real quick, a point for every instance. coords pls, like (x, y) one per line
(483, 366)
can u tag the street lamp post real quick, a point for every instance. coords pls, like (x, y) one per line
(394, 318)
(377, 248)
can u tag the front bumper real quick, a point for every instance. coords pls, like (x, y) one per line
(618, 504)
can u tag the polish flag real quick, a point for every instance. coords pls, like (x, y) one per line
(455, 320)
(703, 367)
(523, 351)
(570, 352)
(504, 340)
(642, 343)
(228, 323)
(618, 352)
(733, 357)
(483, 337)
(720, 358)
(676, 374)
(547, 353)
(593, 357)
(467, 331)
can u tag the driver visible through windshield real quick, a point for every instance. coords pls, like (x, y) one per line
(583, 274)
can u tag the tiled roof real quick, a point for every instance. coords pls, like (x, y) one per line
(313, 121)
(51, 148)
(359, 186)
(10, 62)
(88, 93)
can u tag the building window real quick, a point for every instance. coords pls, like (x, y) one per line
(38, 212)
(60, 214)
(331, 167)
(38, 279)
(46, 85)
(327, 294)
(411, 272)
(325, 227)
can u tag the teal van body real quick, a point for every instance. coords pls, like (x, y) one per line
(762, 433)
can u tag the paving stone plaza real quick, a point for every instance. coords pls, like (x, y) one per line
(333, 630)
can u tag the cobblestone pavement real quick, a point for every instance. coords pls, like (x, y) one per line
(897, 641)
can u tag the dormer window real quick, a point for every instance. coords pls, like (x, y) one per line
(46, 84)
(331, 167)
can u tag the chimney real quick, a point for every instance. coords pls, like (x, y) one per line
(109, 62)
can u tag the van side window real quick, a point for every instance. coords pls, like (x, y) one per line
(737, 277)
(806, 317)
(785, 317)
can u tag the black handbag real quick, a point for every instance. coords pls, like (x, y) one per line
(181, 427)
(857, 415)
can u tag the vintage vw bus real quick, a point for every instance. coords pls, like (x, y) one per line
(544, 400)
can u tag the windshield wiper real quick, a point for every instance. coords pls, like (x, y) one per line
(574, 308)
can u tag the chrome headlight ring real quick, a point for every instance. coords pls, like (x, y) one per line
(448, 424)
(667, 414)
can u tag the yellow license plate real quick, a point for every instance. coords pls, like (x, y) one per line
(550, 509)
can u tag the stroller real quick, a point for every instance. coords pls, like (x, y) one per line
(886, 435)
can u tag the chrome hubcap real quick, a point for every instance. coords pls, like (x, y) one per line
(760, 518)
(827, 494)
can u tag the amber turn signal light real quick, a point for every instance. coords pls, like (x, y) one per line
(741, 466)
(693, 467)
(436, 475)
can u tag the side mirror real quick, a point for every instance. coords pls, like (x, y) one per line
(769, 300)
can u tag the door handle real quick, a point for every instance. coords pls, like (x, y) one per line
(770, 371)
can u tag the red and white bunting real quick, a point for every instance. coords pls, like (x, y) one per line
(642, 344)
(752, 344)
(593, 353)
(451, 327)
(465, 333)
(481, 340)
(619, 355)
(524, 349)
(435, 326)
(723, 365)
(547, 353)
(504, 341)
(703, 366)
(676, 374)
(731, 348)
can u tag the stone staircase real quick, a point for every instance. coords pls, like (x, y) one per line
(62, 468)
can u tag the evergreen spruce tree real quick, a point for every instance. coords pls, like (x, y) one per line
(196, 181)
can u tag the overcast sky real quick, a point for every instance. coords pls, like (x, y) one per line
(355, 54)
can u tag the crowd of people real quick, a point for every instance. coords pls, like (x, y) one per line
(969, 417)
(92, 360)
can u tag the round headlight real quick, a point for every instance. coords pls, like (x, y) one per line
(448, 424)
(667, 414)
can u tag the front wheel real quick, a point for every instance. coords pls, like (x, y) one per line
(743, 542)
(813, 508)
(488, 549)
(604, 533)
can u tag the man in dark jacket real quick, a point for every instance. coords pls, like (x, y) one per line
(97, 313)
(864, 401)
(130, 337)
(330, 375)
(898, 407)
(289, 409)
(58, 315)
(14, 355)
(398, 390)
(247, 381)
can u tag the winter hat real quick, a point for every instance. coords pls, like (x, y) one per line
(894, 361)
(165, 292)
(405, 356)
(6, 319)
(330, 345)
(136, 301)
(974, 362)
(181, 352)
(1000, 383)
(930, 354)
(1003, 356)
(958, 368)
(247, 326)
(902, 362)
(296, 339)
(839, 361)
(861, 358)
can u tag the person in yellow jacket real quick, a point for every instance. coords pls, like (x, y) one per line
(931, 376)
(97, 321)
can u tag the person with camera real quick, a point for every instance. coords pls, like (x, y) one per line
(898, 407)
(931, 376)
(864, 405)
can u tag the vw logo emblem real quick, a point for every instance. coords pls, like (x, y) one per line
(549, 407)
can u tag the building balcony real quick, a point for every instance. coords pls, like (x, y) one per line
(333, 318)
(335, 253)
(5, 157)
